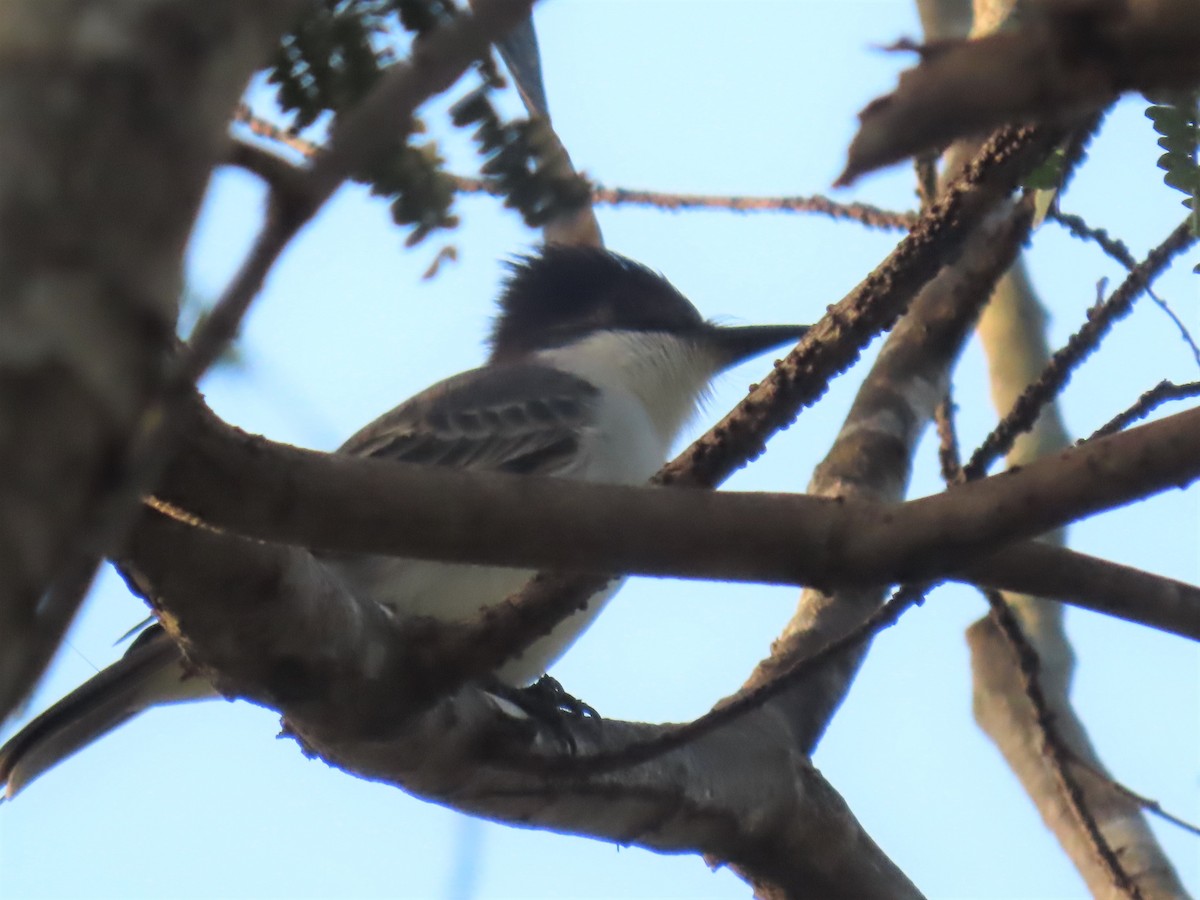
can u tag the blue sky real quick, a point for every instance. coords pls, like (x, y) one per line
(202, 801)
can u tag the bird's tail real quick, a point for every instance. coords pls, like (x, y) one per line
(151, 673)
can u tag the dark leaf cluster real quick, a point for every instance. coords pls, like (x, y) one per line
(413, 177)
(524, 160)
(329, 61)
(331, 57)
(1176, 119)
(335, 54)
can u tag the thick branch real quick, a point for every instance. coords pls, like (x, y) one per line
(871, 459)
(337, 673)
(1069, 57)
(1004, 710)
(274, 492)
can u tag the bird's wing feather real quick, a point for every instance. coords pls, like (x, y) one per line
(524, 419)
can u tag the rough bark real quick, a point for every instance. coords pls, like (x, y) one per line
(112, 115)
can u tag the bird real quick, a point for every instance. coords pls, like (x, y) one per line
(596, 365)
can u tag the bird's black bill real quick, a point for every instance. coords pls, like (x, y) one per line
(743, 342)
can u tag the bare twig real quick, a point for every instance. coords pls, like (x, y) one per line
(862, 213)
(1117, 250)
(1149, 804)
(264, 128)
(1057, 756)
(1025, 658)
(1148, 402)
(1113, 247)
(1178, 323)
(948, 459)
(734, 707)
(1081, 344)
(925, 166)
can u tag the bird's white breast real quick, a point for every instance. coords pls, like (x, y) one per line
(415, 587)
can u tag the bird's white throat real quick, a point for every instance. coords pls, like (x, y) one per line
(667, 374)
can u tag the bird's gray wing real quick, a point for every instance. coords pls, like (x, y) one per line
(525, 419)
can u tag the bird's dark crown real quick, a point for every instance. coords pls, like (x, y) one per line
(566, 292)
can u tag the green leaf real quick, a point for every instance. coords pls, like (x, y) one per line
(1048, 175)
(1176, 118)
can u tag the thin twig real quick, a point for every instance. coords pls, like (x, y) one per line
(1062, 364)
(948, 458)
(1117, 250)
(1149, 401)
(925, 166)
(1149, 804)
(1028, 664)
(1178, 323)
(1076, 225)
(1053, 748)
(266, 129)
(862, 213)
(884, 617)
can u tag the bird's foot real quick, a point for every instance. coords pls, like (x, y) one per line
(546, 702)
(549, 694)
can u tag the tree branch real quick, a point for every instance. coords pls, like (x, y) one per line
(95, 209)
(1022, 662)
(863, 213)
(274, 492)
(1067, 58)
(1023, 413)
(1161, 393)
(339, 674)
(835, 342)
